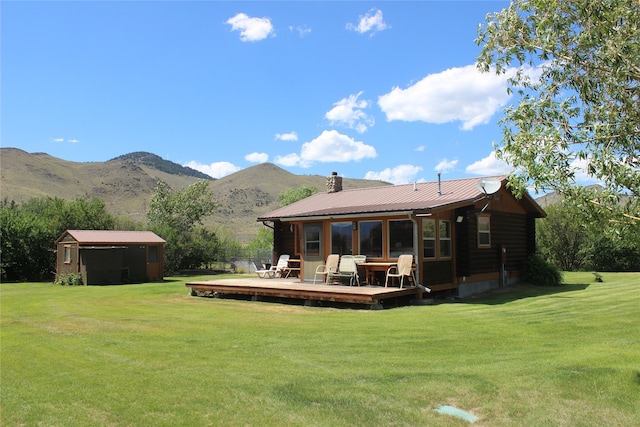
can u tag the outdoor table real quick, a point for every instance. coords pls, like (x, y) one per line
(293, 267)
(371, 267)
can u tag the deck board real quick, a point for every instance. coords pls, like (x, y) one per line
(296, 289)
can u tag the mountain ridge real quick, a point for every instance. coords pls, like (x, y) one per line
(126, 184)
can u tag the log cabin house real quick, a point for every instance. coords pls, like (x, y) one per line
(463, 239)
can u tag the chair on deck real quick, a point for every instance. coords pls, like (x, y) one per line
(347, 269)
(404, 268)
(275, 270)
(331, 265)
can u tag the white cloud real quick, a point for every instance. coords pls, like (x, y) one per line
(215, 170)
(58, 139)
(332, 146)
(489, 165)
(421, 148)
(290, 160)
(257, 157)
(372, 21)
(348, 112)
(580, 168)
(251, 29)
(401, 174)
(446, 165)
(302, 30)
(73, 141)
(291, 136)
(457, 94)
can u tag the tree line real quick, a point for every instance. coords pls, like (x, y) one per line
(28, 230)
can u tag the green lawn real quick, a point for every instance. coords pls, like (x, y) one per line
(150, 355)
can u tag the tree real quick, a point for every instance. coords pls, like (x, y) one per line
(292, 195)
(576, 66)
(177, 217)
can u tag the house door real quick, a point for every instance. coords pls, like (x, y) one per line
(312, 248)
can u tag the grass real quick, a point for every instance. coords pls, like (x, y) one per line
(150, 354)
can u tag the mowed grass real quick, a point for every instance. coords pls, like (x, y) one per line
(151, 355)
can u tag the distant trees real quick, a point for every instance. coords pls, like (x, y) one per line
(177, 216)
(292, 195)
(28, 232)
(571, 240)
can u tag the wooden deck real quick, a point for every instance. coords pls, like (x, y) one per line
(375, 297)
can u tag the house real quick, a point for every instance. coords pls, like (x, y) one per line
(110, 257)
(464, 237)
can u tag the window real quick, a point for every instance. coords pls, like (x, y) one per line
(400, 237)
(429, 238)
(484, 231)
(370, 233)
(312, 239)
(341, 238)
(67, 254)
(444, 237)
(153, 254)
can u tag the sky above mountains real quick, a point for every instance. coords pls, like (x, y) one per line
(379, 90)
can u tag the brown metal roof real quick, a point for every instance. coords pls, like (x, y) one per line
(110, 237)
(422, 196)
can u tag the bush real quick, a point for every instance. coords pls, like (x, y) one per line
(72, 279)
(542, 273)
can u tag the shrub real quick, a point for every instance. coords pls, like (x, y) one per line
(72, 279)
(542, 273)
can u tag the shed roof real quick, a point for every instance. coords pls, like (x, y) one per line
(418, 197)
(111, 237)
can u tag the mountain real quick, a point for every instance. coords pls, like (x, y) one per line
(127, 183)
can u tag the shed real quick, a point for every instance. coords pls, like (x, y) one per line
(105, 257)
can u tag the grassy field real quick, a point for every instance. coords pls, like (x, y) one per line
(150, 355)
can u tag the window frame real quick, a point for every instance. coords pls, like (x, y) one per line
(67, 254)
(445, 239)
(363, 248)
(484, 219)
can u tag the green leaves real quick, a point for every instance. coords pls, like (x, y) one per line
(578, 114)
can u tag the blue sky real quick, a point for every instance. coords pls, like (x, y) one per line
(380, 90)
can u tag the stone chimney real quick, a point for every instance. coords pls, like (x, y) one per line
(334, 183)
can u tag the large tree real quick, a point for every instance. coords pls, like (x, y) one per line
(575, 65)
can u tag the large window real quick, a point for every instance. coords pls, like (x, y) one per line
(484, 231)
(341, 238)
(429, 238)
(400, 238)
(312, 239)
(436, 238)
(444, 238)
(370, 233)
(153, 253)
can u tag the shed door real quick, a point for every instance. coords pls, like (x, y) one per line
(154, 266)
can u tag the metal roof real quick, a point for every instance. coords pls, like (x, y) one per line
(110, 237)
(418, 197)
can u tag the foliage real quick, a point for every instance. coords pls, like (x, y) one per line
(263, 240)
(72, 279)
(177, 216)
(576, 67)
(572, 240)
(542, 273)
(28, 232)
(292, 195)
(562, 236)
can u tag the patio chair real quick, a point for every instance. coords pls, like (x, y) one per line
(347, 269)
(404, 268)
(275, 270)
(331, 265)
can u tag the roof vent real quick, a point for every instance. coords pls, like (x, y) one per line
(334, 183)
